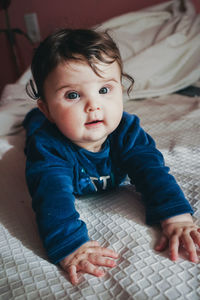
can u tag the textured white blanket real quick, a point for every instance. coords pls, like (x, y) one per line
(160, 47)
(115, 219)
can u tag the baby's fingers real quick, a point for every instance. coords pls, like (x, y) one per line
(173, 247)
(106, 252)
(162, 243)
(101, 261)
(190, 247)
(72, 274)
(87, 267)
(196, 237)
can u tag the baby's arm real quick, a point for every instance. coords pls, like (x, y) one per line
(180, 230)
(87, 259)
(162, 196)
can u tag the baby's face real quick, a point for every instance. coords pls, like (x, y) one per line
(85, 107)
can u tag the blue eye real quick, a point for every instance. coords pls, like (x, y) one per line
(73, 95)
(104, 90)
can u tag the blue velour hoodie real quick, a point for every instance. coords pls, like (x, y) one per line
(57, 170)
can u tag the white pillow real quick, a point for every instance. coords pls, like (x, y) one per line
(14, 105)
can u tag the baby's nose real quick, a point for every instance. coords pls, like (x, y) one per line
(92, 105)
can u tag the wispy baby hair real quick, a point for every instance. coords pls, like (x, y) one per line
(72, 44)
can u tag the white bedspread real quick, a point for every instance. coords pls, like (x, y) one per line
(115, 219)
(160, 47)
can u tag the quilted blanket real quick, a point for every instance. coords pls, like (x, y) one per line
(115, 219)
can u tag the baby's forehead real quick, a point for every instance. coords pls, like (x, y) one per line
(90, 59)
(99, 67)
(80, 73)
(93, 63)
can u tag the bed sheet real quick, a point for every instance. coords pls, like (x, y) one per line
(115, 219)
(160, 47)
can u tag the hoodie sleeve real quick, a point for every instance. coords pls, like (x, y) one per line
(49, 175)
(146, 168)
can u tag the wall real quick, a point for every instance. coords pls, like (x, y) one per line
(54, 14)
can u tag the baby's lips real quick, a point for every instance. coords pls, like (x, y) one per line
(93, 122)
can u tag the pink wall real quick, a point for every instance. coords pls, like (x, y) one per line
(54, 14)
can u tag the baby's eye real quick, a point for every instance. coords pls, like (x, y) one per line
(104, 90)
(72, 95)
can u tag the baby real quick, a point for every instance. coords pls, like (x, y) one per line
(80, 141)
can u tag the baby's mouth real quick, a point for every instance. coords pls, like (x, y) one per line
(94, 122)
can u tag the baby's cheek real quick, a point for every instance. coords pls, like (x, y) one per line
(71, 128)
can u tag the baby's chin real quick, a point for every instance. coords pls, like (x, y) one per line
(92, 145)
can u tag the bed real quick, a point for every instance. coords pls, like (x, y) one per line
(116, 219)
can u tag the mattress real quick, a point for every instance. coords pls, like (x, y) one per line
(116, 219)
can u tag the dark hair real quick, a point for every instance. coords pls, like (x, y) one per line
(72, 44)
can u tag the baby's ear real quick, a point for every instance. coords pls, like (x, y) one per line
(43, 107)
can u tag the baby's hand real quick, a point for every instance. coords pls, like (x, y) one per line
(88, 258)
(180, 230)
